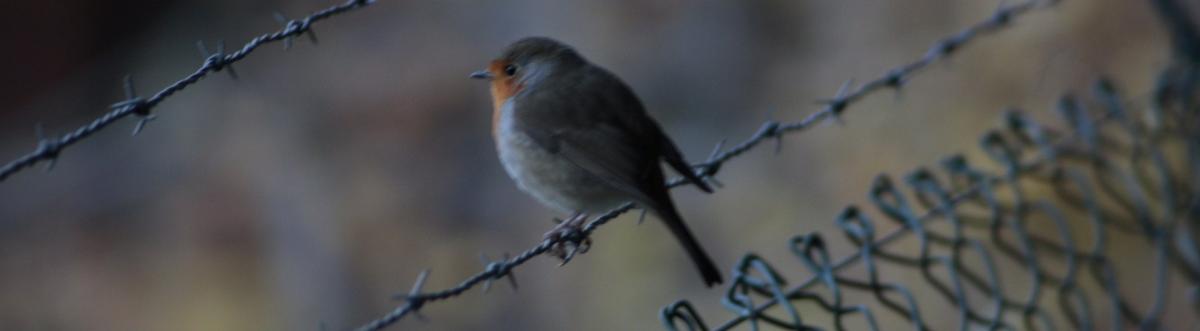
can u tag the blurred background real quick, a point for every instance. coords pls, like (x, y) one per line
(326, 178)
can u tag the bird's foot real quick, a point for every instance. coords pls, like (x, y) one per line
(569, 237)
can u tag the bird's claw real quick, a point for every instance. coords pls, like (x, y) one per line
(569, 238)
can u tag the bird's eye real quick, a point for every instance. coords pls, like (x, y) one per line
(510, 69)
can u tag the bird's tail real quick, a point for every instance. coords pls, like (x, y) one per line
(708, 269)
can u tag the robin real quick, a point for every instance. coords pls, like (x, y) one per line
(575, 137)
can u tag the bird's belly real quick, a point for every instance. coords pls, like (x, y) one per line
(553, 180)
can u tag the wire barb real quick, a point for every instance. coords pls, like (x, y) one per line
(497, 270)
(217, 60)
(838, 103)
(414, 300)
(48, 146)
(295, 27)
(708, 169)
(135, 105)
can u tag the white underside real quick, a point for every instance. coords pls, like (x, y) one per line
(553, 180)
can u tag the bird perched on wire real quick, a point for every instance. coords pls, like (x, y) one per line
(575, 137)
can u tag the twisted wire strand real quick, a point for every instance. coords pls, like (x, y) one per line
(49, 148)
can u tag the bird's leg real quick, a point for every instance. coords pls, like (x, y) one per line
(569, 238)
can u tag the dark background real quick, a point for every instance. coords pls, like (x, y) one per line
(328, 177)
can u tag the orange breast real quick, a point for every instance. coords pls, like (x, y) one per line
(499, 96)
(503, 88)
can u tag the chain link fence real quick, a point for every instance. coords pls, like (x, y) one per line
(1038, 238)
(1090, 223)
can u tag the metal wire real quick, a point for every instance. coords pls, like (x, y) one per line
(1115, 170)
(895, 78)
(1146, 197)
(49, 148)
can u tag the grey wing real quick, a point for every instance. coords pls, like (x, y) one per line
(631, 117)
(606, 152)
(586, 127)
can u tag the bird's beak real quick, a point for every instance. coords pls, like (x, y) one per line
(482, 74)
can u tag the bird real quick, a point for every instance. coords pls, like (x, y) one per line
(576, 137)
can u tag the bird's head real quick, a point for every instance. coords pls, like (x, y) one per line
(526, 63)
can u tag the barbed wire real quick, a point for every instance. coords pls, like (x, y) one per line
(49, 148)
(416, 298)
